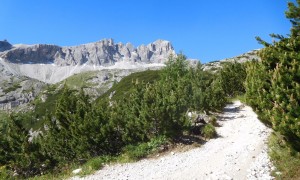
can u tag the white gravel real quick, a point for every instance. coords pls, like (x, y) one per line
(240, 152)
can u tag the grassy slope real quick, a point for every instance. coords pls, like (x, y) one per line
(52, 92)
(81, 80)
(125, 85)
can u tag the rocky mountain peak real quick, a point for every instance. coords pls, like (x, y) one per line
(5, 45)
(101, 53)
(31, 54)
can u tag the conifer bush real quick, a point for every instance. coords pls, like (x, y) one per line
(77, 129)
(273, 85)
(232, 77)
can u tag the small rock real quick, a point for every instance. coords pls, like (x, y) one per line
(278, 173)
(76, 171)
(172, 153)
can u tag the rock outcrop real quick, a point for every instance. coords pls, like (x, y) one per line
(4, 45)
(248, 56)
(25, 69)
(102, 53)
(31, 54)
(16, 90)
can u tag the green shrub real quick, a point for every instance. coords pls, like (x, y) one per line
(213, 120)
(137, 123)
(232, 77)
(209, 131)
(4, 173)
(133, 153)
(126, 85)
(136, 152)
(273, 84)
(96, 163)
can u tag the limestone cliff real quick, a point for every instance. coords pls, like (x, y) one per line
(102, 53)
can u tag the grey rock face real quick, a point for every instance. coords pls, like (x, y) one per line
(35, 54)
(16, 90)
(24, 69)
(248, 56)
(4, 45)
(104, 53)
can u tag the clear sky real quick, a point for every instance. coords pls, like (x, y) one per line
(202, 29)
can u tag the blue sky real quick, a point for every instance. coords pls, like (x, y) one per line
(202, 29)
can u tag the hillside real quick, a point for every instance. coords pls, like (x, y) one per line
(27, 70)
(97, 84)
(245, 57)
(52, 63)
(107, 110)
(95, 80)
(17, 91)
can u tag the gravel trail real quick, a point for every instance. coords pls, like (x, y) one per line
(240, 152)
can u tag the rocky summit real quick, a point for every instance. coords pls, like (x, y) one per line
(102, 53)
(26, 69)
(4, 45)
(52, 63)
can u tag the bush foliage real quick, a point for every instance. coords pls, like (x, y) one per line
(273, 85)
(76, 130)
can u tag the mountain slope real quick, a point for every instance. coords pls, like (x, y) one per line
(52, 63)
(16, 90)
(248, 56)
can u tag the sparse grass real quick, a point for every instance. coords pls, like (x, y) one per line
(136, 152)
(80, 80)
(96, 163)
(12, 88)
(213, 120)
(285, 159)
(209, 131)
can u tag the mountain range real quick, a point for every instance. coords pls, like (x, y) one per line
(25, 70)
(62, 62)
